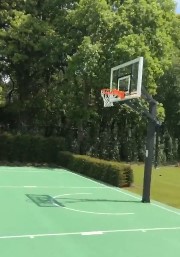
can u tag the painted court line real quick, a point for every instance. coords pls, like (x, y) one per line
(154, 204)
(87, 212)
(97, 187)
(11, 186)
(99, 213)
(29, 186)
(60, 187)
(166, 209)
(128, 194)
(91, 233)
(27, 170)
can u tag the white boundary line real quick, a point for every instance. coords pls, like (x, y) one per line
(29, 186)
(99, 213)
(164, 208)
(131, 195)
(152, 203)
(159, 205)
(88, 212)
(31, 169)
(62, 187)
(28, 172)
(90, 233)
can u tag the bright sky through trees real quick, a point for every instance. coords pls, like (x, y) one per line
(178, 6)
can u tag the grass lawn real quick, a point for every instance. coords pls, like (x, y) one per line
(165, 184)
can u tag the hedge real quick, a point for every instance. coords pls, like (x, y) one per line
(27, 148)
(38, 149)
(113, 173)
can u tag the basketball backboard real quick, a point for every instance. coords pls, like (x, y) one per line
(127, 77)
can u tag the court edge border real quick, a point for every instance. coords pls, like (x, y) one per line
(154, 203)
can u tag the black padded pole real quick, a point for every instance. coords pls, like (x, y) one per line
(151, 128)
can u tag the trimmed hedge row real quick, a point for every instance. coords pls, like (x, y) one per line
(27, 148)
(114, 173)
(38, 149)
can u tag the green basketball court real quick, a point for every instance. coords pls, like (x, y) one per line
(54, 212)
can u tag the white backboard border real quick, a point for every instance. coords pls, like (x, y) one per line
(135, 94)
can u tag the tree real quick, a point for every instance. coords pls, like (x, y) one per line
(110, 30)
(58, 56)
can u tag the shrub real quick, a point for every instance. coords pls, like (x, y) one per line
(27, 148)
(113, 173)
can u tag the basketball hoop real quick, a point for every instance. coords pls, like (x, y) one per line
(110, 96)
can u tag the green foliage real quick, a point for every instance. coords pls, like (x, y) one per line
(58, 54)
(25, 148)
(114, 173)
(169, 95)
(160, 112)
(2, 96)
(150, 35)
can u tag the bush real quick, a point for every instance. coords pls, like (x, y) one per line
(38, 149)
(113, 173)
(27, 148)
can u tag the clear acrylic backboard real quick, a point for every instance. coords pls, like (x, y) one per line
(127, 77)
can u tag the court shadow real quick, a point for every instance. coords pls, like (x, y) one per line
(76, 200)
(44, 200)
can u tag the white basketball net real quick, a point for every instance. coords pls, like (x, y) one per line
(106, 98)
(109, 97)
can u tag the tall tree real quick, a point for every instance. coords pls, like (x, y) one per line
(58, 56)
(112, 33)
